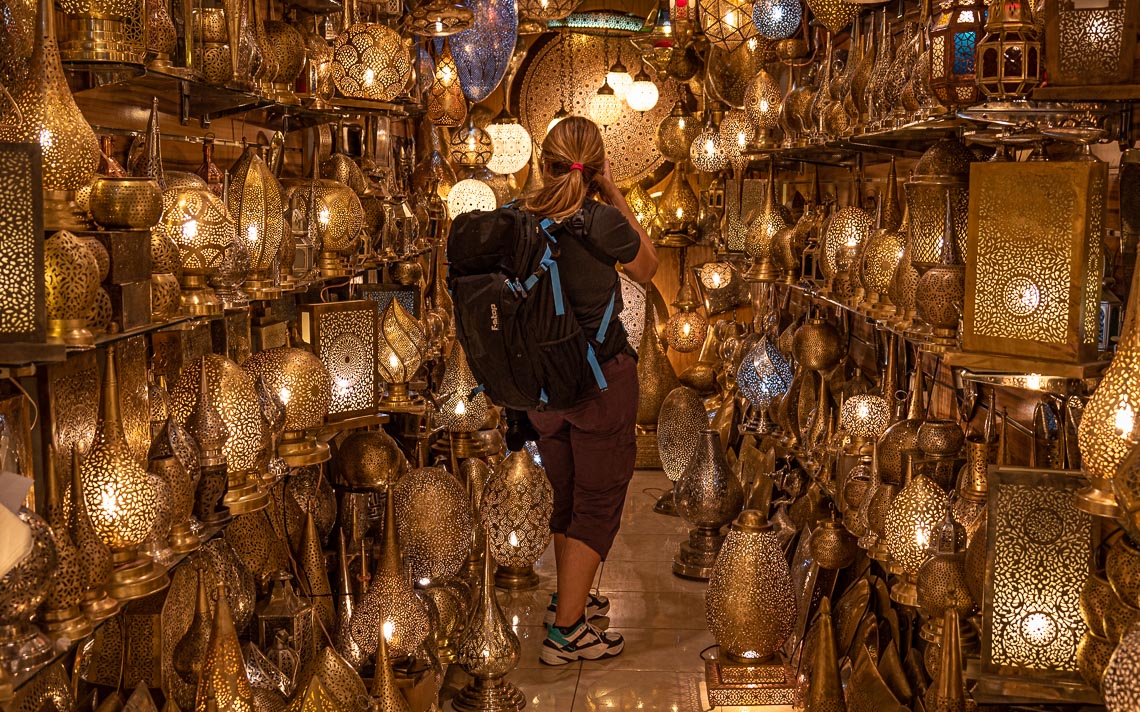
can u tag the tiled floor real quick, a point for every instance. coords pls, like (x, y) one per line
(661, 616)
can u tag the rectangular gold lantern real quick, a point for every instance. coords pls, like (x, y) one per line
(1090, 41)
(1034, 260)
(22, 309)
(407, 294)
(1039, 552)
(343, 336)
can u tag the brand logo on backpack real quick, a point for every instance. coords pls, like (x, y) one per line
(494, 317)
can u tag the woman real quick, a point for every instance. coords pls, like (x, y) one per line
(589, 449)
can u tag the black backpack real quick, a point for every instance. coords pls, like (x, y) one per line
(523, 343)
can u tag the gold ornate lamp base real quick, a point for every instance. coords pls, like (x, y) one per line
(260, 287)
(135, 577)
(299, 449)
(97, 605)
(198, 298)
(760, 683)
(904, 591)
(762, 271)
(489, 696)
(23, 647)
(515, 578)
(697, 555)
(333, 264)
(65, 623)
(182, 539)
(398, 396)
(1097, 499)
(243, 498)
(72, 332)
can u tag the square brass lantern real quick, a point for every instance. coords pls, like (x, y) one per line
(1039, 553)
(343, 337)
(1033, 259)
(1090, 44)
(22, 309)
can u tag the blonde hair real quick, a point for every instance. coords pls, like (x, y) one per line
(573, 141)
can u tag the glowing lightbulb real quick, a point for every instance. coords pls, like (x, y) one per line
(251, 233)
(369, 76)
(45, 138)
(108, 502)
(425, 581)
(730, 18)
(285, 395)
(680, 213)
(862, 411)
(342, 385)
(323, 217)
(190, 229)
(389, 629)
(461, 408)
(710, 146)
(686, 329)
(1033, 381)
(393, 361)
(513, 539)
(922, 536)
(1125, 419)
(716, 280)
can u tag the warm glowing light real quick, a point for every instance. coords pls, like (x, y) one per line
(251, 233)
(1033, 381)
(513, 539)
(369, 76)
(285, 394)
(393, 361)
(460, 408)
(389, 629)
(190, 229)
(45, 138)
(1125, 419)
(425, 581)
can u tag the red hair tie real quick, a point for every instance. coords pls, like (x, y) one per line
(576, 166)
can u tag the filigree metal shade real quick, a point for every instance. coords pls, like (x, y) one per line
(1038, 555)
(463, 405)
(750, 605)
(687, 328)
(682, 418)
(655, 375)
(728, 73)
(643, 206)
(343, 336)
(71, 280)
(643, 94)
(390, 607)
(223, 681)
(848, 228)
(446, 105)
(727, 23)
(911, 520)
(677, 209)
(1119, 683)
(777, 19)
(956, 27)
(471, 146)
(708, 495)
(255, 203)
(232, 392)
(945, 167)
(1090, 45)
(340, 216)
(49, 114)
(1033, 259)
(762, 230)
(513, 146)
(484, 51)
(198, 222)
(706, 152)
(605, 105)
(22, 589)
(424, 498)
(400, 347)
(762, 101)
(864, 416)
(370, 61)
(736, 132)
(516, 506)
(469, 195)
(300, 379)
(21, 282)
(370, 461)
(833, 14)
(676, 132)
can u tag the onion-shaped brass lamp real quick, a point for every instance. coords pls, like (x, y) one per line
(706, 151)
(771, 219)
(198, 222)
(424, 498)
(942, 584)
(676, 132)
(687, 328)
(708, 495)
(488, 651)
(914, 514)
(864, 417)
(677, 209)
(390, 606)
(120, 498)
(96, 605)
(255, 202)
(682, 419)
(750, 605)
(516, 507)
(370, 60)
(463, 406)
(22, 588)
(400, 354)
(304, 385)
(71, 279)
(762, 102)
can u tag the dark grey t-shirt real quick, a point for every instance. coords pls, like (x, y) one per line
(586, 264)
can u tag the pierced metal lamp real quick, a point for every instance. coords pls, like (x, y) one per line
(425, 497)
(198, 222)
(399, 354)
(516, 506)
(463, 406)
(223, 680)
(708, 495)
(22, 588)
(914, 514)
(303, 383)
(255, 201)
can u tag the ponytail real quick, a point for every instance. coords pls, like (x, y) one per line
(573, 154)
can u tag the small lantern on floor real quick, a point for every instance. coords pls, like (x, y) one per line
(516, 507)
(1009, 60)
(424, 498)
(399, 354)
(708, 495)
(120, 498)
(305, 387)
(955, 30)
(682, 419)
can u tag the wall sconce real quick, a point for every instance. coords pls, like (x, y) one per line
(1020, 227)
(343, 335)
(304, 385)
(120, 497)
(1039, 554)
(399, 355)
(255, 202)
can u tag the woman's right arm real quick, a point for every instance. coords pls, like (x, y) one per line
(644, 265)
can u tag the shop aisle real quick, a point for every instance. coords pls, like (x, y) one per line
(661, 616)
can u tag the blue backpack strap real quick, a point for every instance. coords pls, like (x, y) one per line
(606, 317)
(542, 397)
(592, 359)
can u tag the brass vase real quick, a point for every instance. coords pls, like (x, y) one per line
(940, 292)
(488, 651)
(707, 497)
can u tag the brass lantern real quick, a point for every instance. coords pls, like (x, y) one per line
(727, 23)
(400, 354)
(864, 417)
(463, 406)
(956, 27)
(71, 278)
(285, 611)
(913, 515)
(771, 219)
(687, 328)
(762, 102)
(223, 682)
(304, 385)
(198, 222)
(850, 226)
(943, 169)
(369, 461)
(370, 60)
(343, 335)
(1016, 303)
(22, 312)
(1090, 44)
(676, 132)
(255, 202)
(120, 497)
(1009, 60)
(677, 209)
(1119, 682)
(516, 506)
(446, 105)
(424, 498)
(683, 416)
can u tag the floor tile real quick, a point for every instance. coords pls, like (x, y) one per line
(548, 688)
(645, 609)
(632, 545)
(657, 650)
(646, 576)
(634, 691)
(525, 608)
